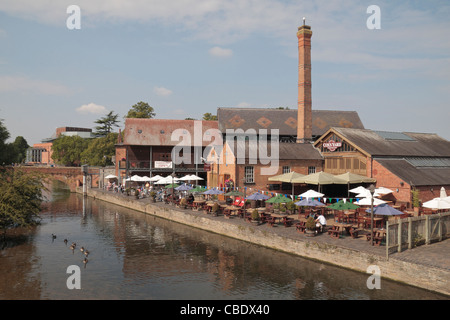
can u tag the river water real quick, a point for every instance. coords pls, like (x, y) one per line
(138, 256)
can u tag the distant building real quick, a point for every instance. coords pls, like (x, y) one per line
(41, 153)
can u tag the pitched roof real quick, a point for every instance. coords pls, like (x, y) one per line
(163, 132)
(284, 120)
(286, 151)
(416, 175)
(408, 144)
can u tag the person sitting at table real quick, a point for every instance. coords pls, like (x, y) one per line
(321, 222)
(190, 198)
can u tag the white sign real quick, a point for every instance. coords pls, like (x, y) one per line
(163, 164)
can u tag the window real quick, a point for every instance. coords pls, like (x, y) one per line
(249, 174)
(286, 169)
(311, 170)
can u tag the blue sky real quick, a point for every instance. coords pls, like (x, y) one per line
(189, 57)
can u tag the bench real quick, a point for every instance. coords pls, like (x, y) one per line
(288, 221)
(271, 221)
(301, 227)
(353, 232)
(334, 232)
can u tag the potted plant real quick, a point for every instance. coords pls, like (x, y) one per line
(215, 209)
(153, 196)
(127, 191)
(310, 227)
(291, 207)
(255, 217)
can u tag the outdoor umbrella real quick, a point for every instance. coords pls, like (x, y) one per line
(352, 178)
(321, 178)
(111, 176)
(191, 177)
(437, 203)
(367, 201)
(341, 205)
(234, 193)
(198, 189)
(257, 196)
(385, 210)
(213, 191)
(442, 193)
(136, 178)
(309, 203)
(172, 185)
(156, 178)
(183, 187)
(358, 189)
(383, 190)
(288, 177)
(311, 194)
(279, 199)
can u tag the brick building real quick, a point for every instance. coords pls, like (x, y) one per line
(161, 147)
(399, 161)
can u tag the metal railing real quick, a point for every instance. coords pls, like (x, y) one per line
(411, 232)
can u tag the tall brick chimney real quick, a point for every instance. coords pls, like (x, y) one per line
(304, 117)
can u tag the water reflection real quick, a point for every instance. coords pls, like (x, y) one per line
(138, 256)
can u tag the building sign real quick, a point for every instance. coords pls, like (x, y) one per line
(163, 164)
(207, 167)
(332, 145)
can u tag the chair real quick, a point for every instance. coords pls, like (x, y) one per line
(301, 226)
(353, 232)
(287, 221)
(334, 232)
(271, 221)
(227, 213)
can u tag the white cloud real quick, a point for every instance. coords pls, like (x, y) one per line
(220, 52)
(25, 85)
(161, 91)
(91, 108)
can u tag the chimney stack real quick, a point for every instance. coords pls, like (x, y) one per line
(304, 117)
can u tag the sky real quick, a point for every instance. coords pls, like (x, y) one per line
(189, 57)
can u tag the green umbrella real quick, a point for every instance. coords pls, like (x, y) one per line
(173, 185)
(234, 193)
(343, 206)
(279, 199)
(198, 189)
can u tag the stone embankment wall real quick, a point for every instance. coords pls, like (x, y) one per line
(427, 277)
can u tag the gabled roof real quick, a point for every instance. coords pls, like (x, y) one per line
(398, 144)
(163, 132)
(284, 120)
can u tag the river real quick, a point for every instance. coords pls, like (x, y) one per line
(138, 256)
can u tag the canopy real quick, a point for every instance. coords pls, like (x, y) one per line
(111, 176)
(437, 203)
(183, 187)
(309, 203)
(136, 178)
(366, 194)
(385, 210)
(311, 194)
(257, 196)
(358, 189)
(341, 205)
(279, 199)
(145, 178)
(383, 190)
(349, 177)
(172, 185)
(213, 191)
(367, 202)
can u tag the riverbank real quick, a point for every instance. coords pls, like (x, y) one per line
(355, 254)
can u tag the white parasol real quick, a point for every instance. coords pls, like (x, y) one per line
(311, 194)
(437, 203)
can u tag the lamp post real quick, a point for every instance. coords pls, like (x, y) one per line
(372, 191)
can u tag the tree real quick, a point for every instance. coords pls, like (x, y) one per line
(67, 150)
(21, 197)
(209, 116)
(100, 150)
(106, 124)
(20, 146)
(141, 110)
(4, 149)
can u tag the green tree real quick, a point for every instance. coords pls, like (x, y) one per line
(141, 110)
(209, 116)
(4, 148)
(67, 150)
(21, 197)
(100, 150)
(106, 124)
(19, 146)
